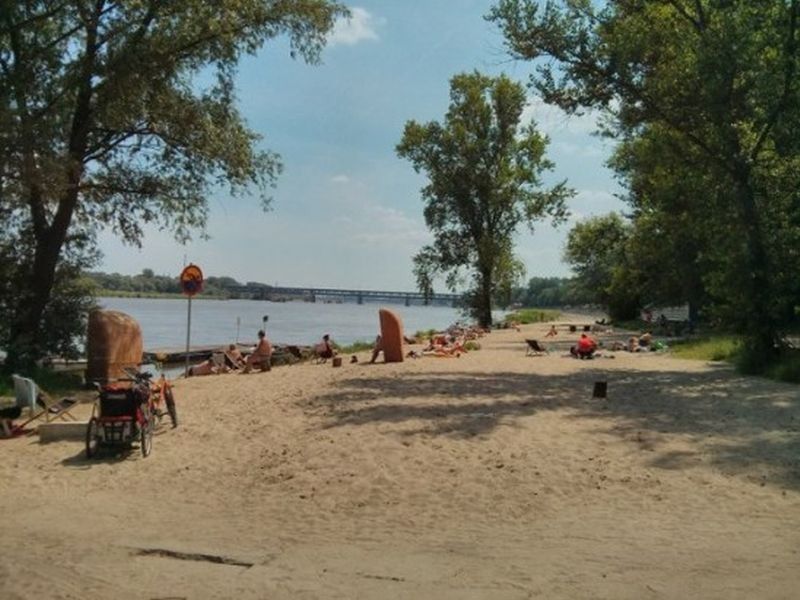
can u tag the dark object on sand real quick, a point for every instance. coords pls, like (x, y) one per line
(353, 359)
(337, 361)
(573, 329)
(600, 389)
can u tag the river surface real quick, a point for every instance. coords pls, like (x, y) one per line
(217, 322)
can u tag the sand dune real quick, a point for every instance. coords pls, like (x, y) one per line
(494, 475)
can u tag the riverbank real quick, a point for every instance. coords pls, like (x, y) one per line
(492, 475)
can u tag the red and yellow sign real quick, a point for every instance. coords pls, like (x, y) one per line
(191, 280)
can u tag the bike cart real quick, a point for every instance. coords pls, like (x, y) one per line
(122, 415)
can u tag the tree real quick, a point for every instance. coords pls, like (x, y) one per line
(597, 249)
(719, 78)
(484, 169)
(104, 121)
(676, 212)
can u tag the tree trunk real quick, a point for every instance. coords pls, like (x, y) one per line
(27, 340)
(483, 300)
(758, 322)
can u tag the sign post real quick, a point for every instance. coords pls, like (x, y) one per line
(191, 284)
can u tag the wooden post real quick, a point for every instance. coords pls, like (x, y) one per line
(600, 389)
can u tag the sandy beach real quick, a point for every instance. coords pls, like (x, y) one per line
(493, 475)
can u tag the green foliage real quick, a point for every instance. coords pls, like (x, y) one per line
(705, 97)
(551, 292)
(597, 250)
(358, 346)
(719, 348)
(149, 285)
(484, 171)
(56, 383)
(425, 334)
(107, 123)
(472, 345)
(786, 368)
(526, 316)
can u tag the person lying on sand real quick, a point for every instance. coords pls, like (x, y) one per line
(207, 367)
(552, 332)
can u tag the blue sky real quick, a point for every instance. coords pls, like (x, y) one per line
(347, 211)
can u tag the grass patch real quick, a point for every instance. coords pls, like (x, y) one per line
(472, 345)
(354, 347)
(52, 382)
(721, 347)
(526, 316)
(425, 334)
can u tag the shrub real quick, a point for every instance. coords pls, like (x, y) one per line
(532, 315)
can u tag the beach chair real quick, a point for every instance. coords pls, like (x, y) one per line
(31, 395)
(534, 348)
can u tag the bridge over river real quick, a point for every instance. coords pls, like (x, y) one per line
(308, 294)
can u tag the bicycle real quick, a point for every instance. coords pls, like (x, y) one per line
(161, 390)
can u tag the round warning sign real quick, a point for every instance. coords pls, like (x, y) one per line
(191, 280)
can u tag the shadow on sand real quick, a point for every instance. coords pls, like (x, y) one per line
(738, 422)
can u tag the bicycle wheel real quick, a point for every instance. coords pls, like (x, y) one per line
(92, 438)
(169, 399)
(146, 435)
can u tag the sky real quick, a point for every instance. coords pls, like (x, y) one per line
(347, 212)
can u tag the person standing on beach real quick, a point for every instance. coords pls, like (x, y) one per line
(262, 355)
(377, 348)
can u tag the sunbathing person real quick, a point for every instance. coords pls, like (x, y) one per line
(324, 350)
(645, 340)
(552, 332)
(234, 356)
(207, 367)
(261, 355)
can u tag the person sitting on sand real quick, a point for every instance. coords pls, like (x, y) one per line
(633, 344)
(234, 356)
(324, 350)
(552, 332)
(377, 348)
(585, 347)
(261, 355)
(645, 340)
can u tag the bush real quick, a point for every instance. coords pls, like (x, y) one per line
(354, 347)
(54, 382)
(527, 316)
(726, 348)
(787, 368)
(472, 345)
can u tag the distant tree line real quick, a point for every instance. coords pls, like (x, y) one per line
(147, 283)
(546, 292)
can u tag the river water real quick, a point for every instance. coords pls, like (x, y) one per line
(217, 322)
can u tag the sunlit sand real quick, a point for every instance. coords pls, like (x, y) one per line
(493, 475)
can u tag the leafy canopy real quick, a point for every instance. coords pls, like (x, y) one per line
(484, 169)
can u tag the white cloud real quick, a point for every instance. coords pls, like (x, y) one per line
(361, 26)
(551, 120)
(340, 179)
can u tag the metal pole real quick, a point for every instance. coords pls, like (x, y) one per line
(238, 324)
(188, 334)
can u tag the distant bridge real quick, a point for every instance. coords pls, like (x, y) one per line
(262, 291)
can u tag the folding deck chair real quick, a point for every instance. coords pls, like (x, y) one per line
(31, 395)
(534, 348)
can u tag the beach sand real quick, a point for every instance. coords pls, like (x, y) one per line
(493, 475)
